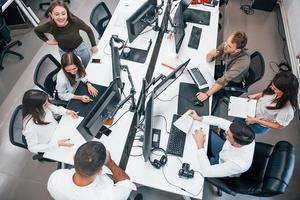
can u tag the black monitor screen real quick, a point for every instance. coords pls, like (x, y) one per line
(139, 20)
(147, 144)
(90, 126)
(169, 79)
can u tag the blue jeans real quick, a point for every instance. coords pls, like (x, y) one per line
(256, 128)
(81, 51)
(215, 145)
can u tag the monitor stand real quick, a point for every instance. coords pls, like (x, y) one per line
(135, 54)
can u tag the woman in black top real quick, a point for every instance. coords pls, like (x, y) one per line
(64, 27)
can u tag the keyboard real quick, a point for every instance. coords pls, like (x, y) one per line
(197, 77)
(176, 139)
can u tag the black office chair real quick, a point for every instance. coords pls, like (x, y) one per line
(45, 77)
(269, 174)
(100, 18)
(256, 72)
(41, 5)
(5, 40)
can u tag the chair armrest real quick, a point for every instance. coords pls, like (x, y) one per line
(235, 89)
(58, 102)
(219, 183)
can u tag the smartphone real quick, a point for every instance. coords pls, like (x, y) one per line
(96, 60)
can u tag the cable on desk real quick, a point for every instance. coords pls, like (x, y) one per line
(166, 122)
(119, 118)
(165, 100)
(179, 186)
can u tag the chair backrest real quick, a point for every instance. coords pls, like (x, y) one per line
(4, 30)
(256, 68)
(100, 17)
(45, 74)
(16, 136)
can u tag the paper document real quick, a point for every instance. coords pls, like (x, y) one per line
(241, 107)
(186, 123)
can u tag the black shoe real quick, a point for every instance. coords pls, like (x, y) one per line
(139, 196)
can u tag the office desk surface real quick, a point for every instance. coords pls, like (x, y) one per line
(166, 105)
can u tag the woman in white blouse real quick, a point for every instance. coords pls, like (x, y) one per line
(39, 123)
(69, 76)
(276, 104)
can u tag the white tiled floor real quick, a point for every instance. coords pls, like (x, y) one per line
(23, 178)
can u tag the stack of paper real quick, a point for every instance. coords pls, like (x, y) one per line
(186, 123)
(241, 107)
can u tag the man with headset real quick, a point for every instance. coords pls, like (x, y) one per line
(225, 158)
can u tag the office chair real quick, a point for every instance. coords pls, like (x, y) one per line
(256, 72)
(45, 78)
(47, 4)
(5, 40)
(269, 174)
(100, 17)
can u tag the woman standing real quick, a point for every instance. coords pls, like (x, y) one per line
(64, 27)
(68, 78)
(38, 121)
(276, 104)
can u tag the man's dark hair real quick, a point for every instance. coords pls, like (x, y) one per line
(242, 134)
(89, 158)
(240, 39)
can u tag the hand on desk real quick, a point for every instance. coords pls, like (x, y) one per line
(64, 143)
(92, 90)
(94, 49)
(85, 99)
(194, 115)
(199, 138)
(72, 113)
(201, 96)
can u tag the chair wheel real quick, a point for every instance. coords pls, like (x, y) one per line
(1, 68)
(19, 43)
(21, 57)
(219, 192)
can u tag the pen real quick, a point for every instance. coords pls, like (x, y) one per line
(168, 66)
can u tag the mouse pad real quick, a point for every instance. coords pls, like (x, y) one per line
(79, 106)
(187, 95)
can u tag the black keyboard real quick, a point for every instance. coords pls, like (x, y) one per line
(176, 139)
(197, 76)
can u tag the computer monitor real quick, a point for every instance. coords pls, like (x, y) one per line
(116, 65)
(147, 143)
(92, 125)
(141, 18)
(169, 79)
(179, 23)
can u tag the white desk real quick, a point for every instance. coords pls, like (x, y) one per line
(143, 172)
(102, 74)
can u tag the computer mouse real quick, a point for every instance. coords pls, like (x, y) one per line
(198, 103)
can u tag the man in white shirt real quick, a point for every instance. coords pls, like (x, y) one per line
(87, 181)
(229, 158)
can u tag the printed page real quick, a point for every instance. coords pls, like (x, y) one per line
(241, 107)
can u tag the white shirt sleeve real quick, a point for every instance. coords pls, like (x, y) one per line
(53, 188)
(218, 170)
(285, 116)
(62, 87)
(122, 189)
(33, 144)
(84, 79)
(59, 110)
(217, 121)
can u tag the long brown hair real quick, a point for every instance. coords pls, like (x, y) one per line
(288, 83)
(54, 4)
(32, 106)
(70, 58)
